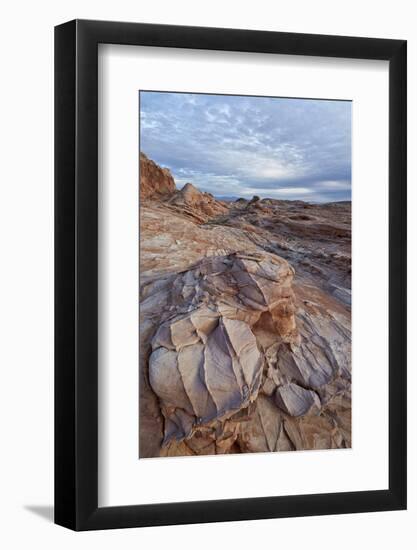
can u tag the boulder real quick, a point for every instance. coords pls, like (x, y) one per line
(205, 364)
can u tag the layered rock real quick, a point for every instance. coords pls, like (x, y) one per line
(205, 364)
(239, 363)
(295, 400)
(238, 353)
(197, 205)
(314, 238)
(155, 182)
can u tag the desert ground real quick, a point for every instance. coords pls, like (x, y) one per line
(245, 322)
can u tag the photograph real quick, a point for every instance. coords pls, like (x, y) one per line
(245, 274)
(189, 359)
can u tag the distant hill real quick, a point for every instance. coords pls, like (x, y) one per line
(227, 198)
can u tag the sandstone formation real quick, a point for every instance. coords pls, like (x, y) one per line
(155, 182)
(205, 364)
(244, 324)
(314, 238)
(295, 400)
(197, 205)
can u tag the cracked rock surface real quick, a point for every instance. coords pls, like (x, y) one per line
(205, 363)
(245, 324)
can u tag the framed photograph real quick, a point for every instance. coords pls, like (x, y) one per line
(230, 252)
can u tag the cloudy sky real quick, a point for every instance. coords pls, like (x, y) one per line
(241, 146)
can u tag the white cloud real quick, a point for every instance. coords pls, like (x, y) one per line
(335, 185)
(281, 191)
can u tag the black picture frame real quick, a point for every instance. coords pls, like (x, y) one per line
(76, 272)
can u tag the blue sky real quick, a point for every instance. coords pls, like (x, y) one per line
(242, 146)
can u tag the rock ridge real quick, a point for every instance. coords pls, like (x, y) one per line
(155, 182)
